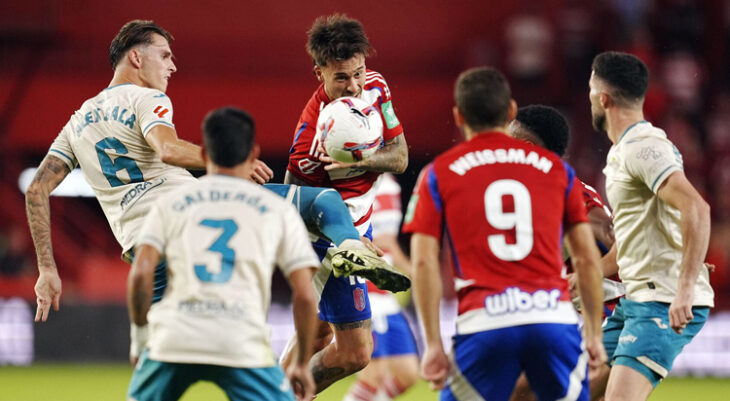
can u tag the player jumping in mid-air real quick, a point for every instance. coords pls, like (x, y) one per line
(125, 142)
(504, 204)
(338, 46)
(222, 236)
(662, 228)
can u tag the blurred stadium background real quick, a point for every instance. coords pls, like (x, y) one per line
(54, 55)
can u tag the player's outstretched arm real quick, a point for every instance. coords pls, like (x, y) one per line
(305, 322)
(173, 150)
(391, 158)
(679, 193)
(427, 289)
(585, 259)
(38, 209)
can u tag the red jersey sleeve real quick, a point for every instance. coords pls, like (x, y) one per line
(376, 88)
(575, 210)
(425, 208)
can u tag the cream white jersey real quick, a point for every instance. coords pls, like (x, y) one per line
(221, 237)
(106, 138)
(648, 232)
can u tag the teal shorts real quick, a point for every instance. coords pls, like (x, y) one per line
(638, 335)
(162, 381)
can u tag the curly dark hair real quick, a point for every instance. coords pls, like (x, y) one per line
(547, 124)
(133, 33)
(624, 72)
(336, 37)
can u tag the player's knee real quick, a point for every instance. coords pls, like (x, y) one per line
(357, 358)
(407, 377)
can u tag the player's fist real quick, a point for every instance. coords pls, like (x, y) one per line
(680, 310)
(301, 380)
(596, 351)
(48, 292)
(435, 366)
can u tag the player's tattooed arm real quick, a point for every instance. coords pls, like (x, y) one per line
(38, 210)
(391, 158)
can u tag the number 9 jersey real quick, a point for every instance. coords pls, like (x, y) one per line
(106, 138)
(503, 204)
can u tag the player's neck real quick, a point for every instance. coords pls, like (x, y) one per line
(621, 120)
(124, 76)
(242, 170)
(470, 133)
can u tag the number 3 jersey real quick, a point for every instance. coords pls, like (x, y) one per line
(221, 237)
(106, 138)
(503, 204)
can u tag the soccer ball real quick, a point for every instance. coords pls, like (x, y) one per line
(350, 129)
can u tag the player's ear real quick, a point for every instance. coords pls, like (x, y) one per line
(512, 112)
(255, 152)
(204, 155)
(135, 58)
(605, 100)
(318, 73)
(458, 117)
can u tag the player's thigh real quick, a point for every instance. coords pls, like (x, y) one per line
(253, 384)
(627, 384)
(555, 361)
(354, 336)
(392, 336)
(160, 381)
(484, 365)
(647, 343)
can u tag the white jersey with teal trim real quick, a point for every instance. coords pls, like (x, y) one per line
(106, 138)
(648, 231)
(221, 237)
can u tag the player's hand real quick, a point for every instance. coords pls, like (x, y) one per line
(369, 244)
(302, 381)
(435, 366)
(48, 292)
(261, 172)
(680, 310)
(596, 352)
(710, 267)
(572, 279)
(332, 164)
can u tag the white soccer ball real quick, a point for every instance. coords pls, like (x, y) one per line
(350, 129)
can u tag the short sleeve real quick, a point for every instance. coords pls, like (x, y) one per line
(61, 147)
(295, 251)
(652, 160)
(152, 232)
(154, 108)
(575, 205)
(391, 125)
(425, 214)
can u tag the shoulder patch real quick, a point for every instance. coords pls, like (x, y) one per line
(389, 114)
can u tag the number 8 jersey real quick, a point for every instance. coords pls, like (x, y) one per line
(503, 204)
(106, 138)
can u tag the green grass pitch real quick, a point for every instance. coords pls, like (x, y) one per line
(80, 382)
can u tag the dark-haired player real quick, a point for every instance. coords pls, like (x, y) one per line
(504, 205)
(125, 142)
(222, 237)
(662, 228)
(339, 47)
(546, 127)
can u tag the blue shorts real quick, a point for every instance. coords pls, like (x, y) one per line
(638, 335)
(343, 299)
(392, 336)
(486, 364)
(163, 381)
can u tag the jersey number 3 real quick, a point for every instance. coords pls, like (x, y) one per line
(110, 167)
(520, 219)
(220, 245)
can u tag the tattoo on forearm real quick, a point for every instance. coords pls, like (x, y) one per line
(393, 157)
(37, 206)
(322, 373)
(354, 325)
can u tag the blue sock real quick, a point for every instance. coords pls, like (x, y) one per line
(331, 216)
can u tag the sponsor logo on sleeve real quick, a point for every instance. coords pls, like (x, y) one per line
(391, 120)
(160, 111)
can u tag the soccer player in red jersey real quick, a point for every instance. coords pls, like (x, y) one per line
(504, 204)
(338, 46)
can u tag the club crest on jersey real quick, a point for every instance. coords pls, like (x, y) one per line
(358, 295)
(308, 166)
